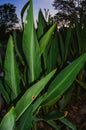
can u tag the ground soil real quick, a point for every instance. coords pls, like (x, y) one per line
(77, 110)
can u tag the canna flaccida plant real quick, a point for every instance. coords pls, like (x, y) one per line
(31, 82)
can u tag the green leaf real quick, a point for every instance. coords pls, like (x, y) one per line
(8, 122)
(64, 79)
(68, 123)
(46, 38)
(82, 84)
(65, 98)
(31, 47)
(42, 25)
(78, 33)
(23, 10)
(4, 93)
(58, 115)
(54, 115)
(62, 47)
(81, 37)
(12, 77)
(38, 102)
(25, 122)
(51, 53)
(53, 124)
(31, 94)
(67, 41)
(18, 40)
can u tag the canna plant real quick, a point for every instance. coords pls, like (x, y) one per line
(31, 82)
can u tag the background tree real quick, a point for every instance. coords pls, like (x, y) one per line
(8, 17)
(69, 10)
(8, 20)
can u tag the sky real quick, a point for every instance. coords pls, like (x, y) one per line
(47, 4)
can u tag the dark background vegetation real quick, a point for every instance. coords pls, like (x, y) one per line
(8, 20)
(70, 10)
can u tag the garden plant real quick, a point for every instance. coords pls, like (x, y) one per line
(37, 72)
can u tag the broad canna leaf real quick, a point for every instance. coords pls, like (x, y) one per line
(31, 94)
(51, 53)
(8, 122)
(12, 77)
(18, 45)
(46, 38)
(42, 25)
(25, 122)
(4, 93)
(63, 80)
(31, 47)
